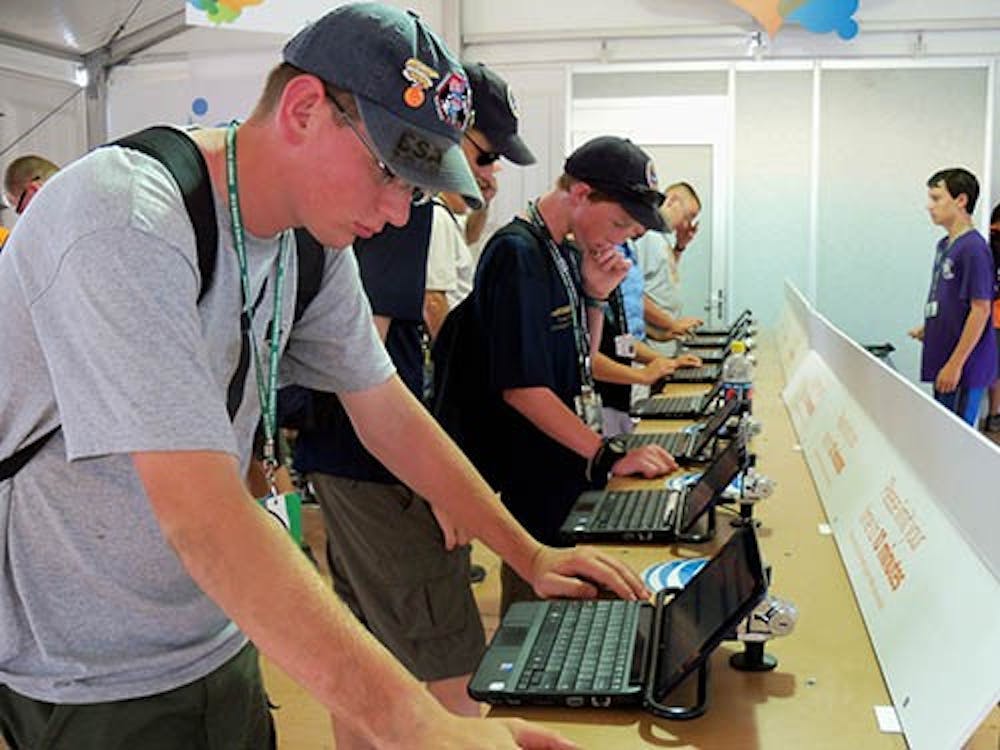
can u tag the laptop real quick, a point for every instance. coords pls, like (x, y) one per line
(620, 653)
(652, 515)
(705, 374)
(677, 407)
(711, 355)
(721, 335)
(688, 445)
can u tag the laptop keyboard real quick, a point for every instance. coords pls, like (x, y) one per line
(582, 646)
(705, 372)
(632, 509)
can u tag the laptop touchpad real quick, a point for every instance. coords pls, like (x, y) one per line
(511, 636)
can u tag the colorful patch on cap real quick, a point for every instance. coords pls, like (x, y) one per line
(453, 100)
(651, 180)
(512, 103)
(421, 77)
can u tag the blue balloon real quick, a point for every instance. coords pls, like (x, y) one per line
(199, 106)
(822, 16)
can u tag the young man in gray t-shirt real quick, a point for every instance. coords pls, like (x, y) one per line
(133, 563)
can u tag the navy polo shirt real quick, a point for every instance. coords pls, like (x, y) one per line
(393, 268)
(526, 320)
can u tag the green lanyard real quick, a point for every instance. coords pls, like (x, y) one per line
(267, 392)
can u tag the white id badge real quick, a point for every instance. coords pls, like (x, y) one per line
(625, 345)
(931, 309)
(588, 408)
(287, 510)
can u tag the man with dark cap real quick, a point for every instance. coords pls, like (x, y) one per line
(538, 302)
(134, 566)
(404, 579)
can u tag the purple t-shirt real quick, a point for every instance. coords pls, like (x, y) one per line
(962, 273)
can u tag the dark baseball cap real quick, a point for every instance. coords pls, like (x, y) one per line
(495, 113)
(622, 171)
(413, 95)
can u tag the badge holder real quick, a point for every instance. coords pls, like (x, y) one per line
(286, 508)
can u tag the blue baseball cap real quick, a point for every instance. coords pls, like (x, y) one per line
(412, 94)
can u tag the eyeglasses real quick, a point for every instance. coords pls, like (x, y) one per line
(418, 196)
(485, 157)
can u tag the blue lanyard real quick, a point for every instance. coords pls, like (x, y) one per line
(267, 391)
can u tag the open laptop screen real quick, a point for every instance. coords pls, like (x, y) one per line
(715, 479)
(709, 608)
(713, 425)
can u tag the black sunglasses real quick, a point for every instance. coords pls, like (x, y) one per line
(485, 157)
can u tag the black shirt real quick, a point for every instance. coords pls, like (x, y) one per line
(393, 267)
(527, 324)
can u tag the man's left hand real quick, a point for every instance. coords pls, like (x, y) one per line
(577, 572)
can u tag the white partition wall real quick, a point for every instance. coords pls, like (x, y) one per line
(911, 494)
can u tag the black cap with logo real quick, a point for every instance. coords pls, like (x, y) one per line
(622, 171)
(495, 113)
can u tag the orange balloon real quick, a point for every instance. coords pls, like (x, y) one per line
(765, 11)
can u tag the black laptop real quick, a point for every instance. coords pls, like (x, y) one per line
(720, 336)
(653, 515)
(677, 407)
(705, 374)
(688, 445)
(618, 653)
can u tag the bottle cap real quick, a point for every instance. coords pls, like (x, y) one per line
(738, 347)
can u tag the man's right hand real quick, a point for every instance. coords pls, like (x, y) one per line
(916, 333)
(650, 461)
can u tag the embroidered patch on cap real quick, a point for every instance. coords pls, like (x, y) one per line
(512, 103)
(651, 180)
(453, 100)
(415, 150)
(421, 77)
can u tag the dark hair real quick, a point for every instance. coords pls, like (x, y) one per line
(956, 182)
(995, 216)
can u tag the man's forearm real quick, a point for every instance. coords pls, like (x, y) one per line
(607, 370)
(435, 311)
(595, 322)
(656, 316)
(248, 565)
(390, 423)
(542, 408)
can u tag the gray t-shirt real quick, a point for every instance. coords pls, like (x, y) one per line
(102, 336)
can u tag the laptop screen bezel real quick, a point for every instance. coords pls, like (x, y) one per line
(745, 541)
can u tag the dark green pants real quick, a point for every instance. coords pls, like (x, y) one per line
(225, 710)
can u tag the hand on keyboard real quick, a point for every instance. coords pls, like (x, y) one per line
(580, 572)
(649, 461)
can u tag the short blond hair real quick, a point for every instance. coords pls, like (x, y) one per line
(280, 76)
(26, 169)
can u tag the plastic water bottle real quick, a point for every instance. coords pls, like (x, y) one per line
(737, 373)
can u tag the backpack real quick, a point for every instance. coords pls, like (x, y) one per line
(182, 158)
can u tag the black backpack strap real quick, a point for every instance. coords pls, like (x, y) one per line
(311, 261)
(183, 159)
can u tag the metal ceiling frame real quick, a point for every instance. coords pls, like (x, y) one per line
(63, 65)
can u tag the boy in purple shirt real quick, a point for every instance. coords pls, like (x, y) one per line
(960, 351)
